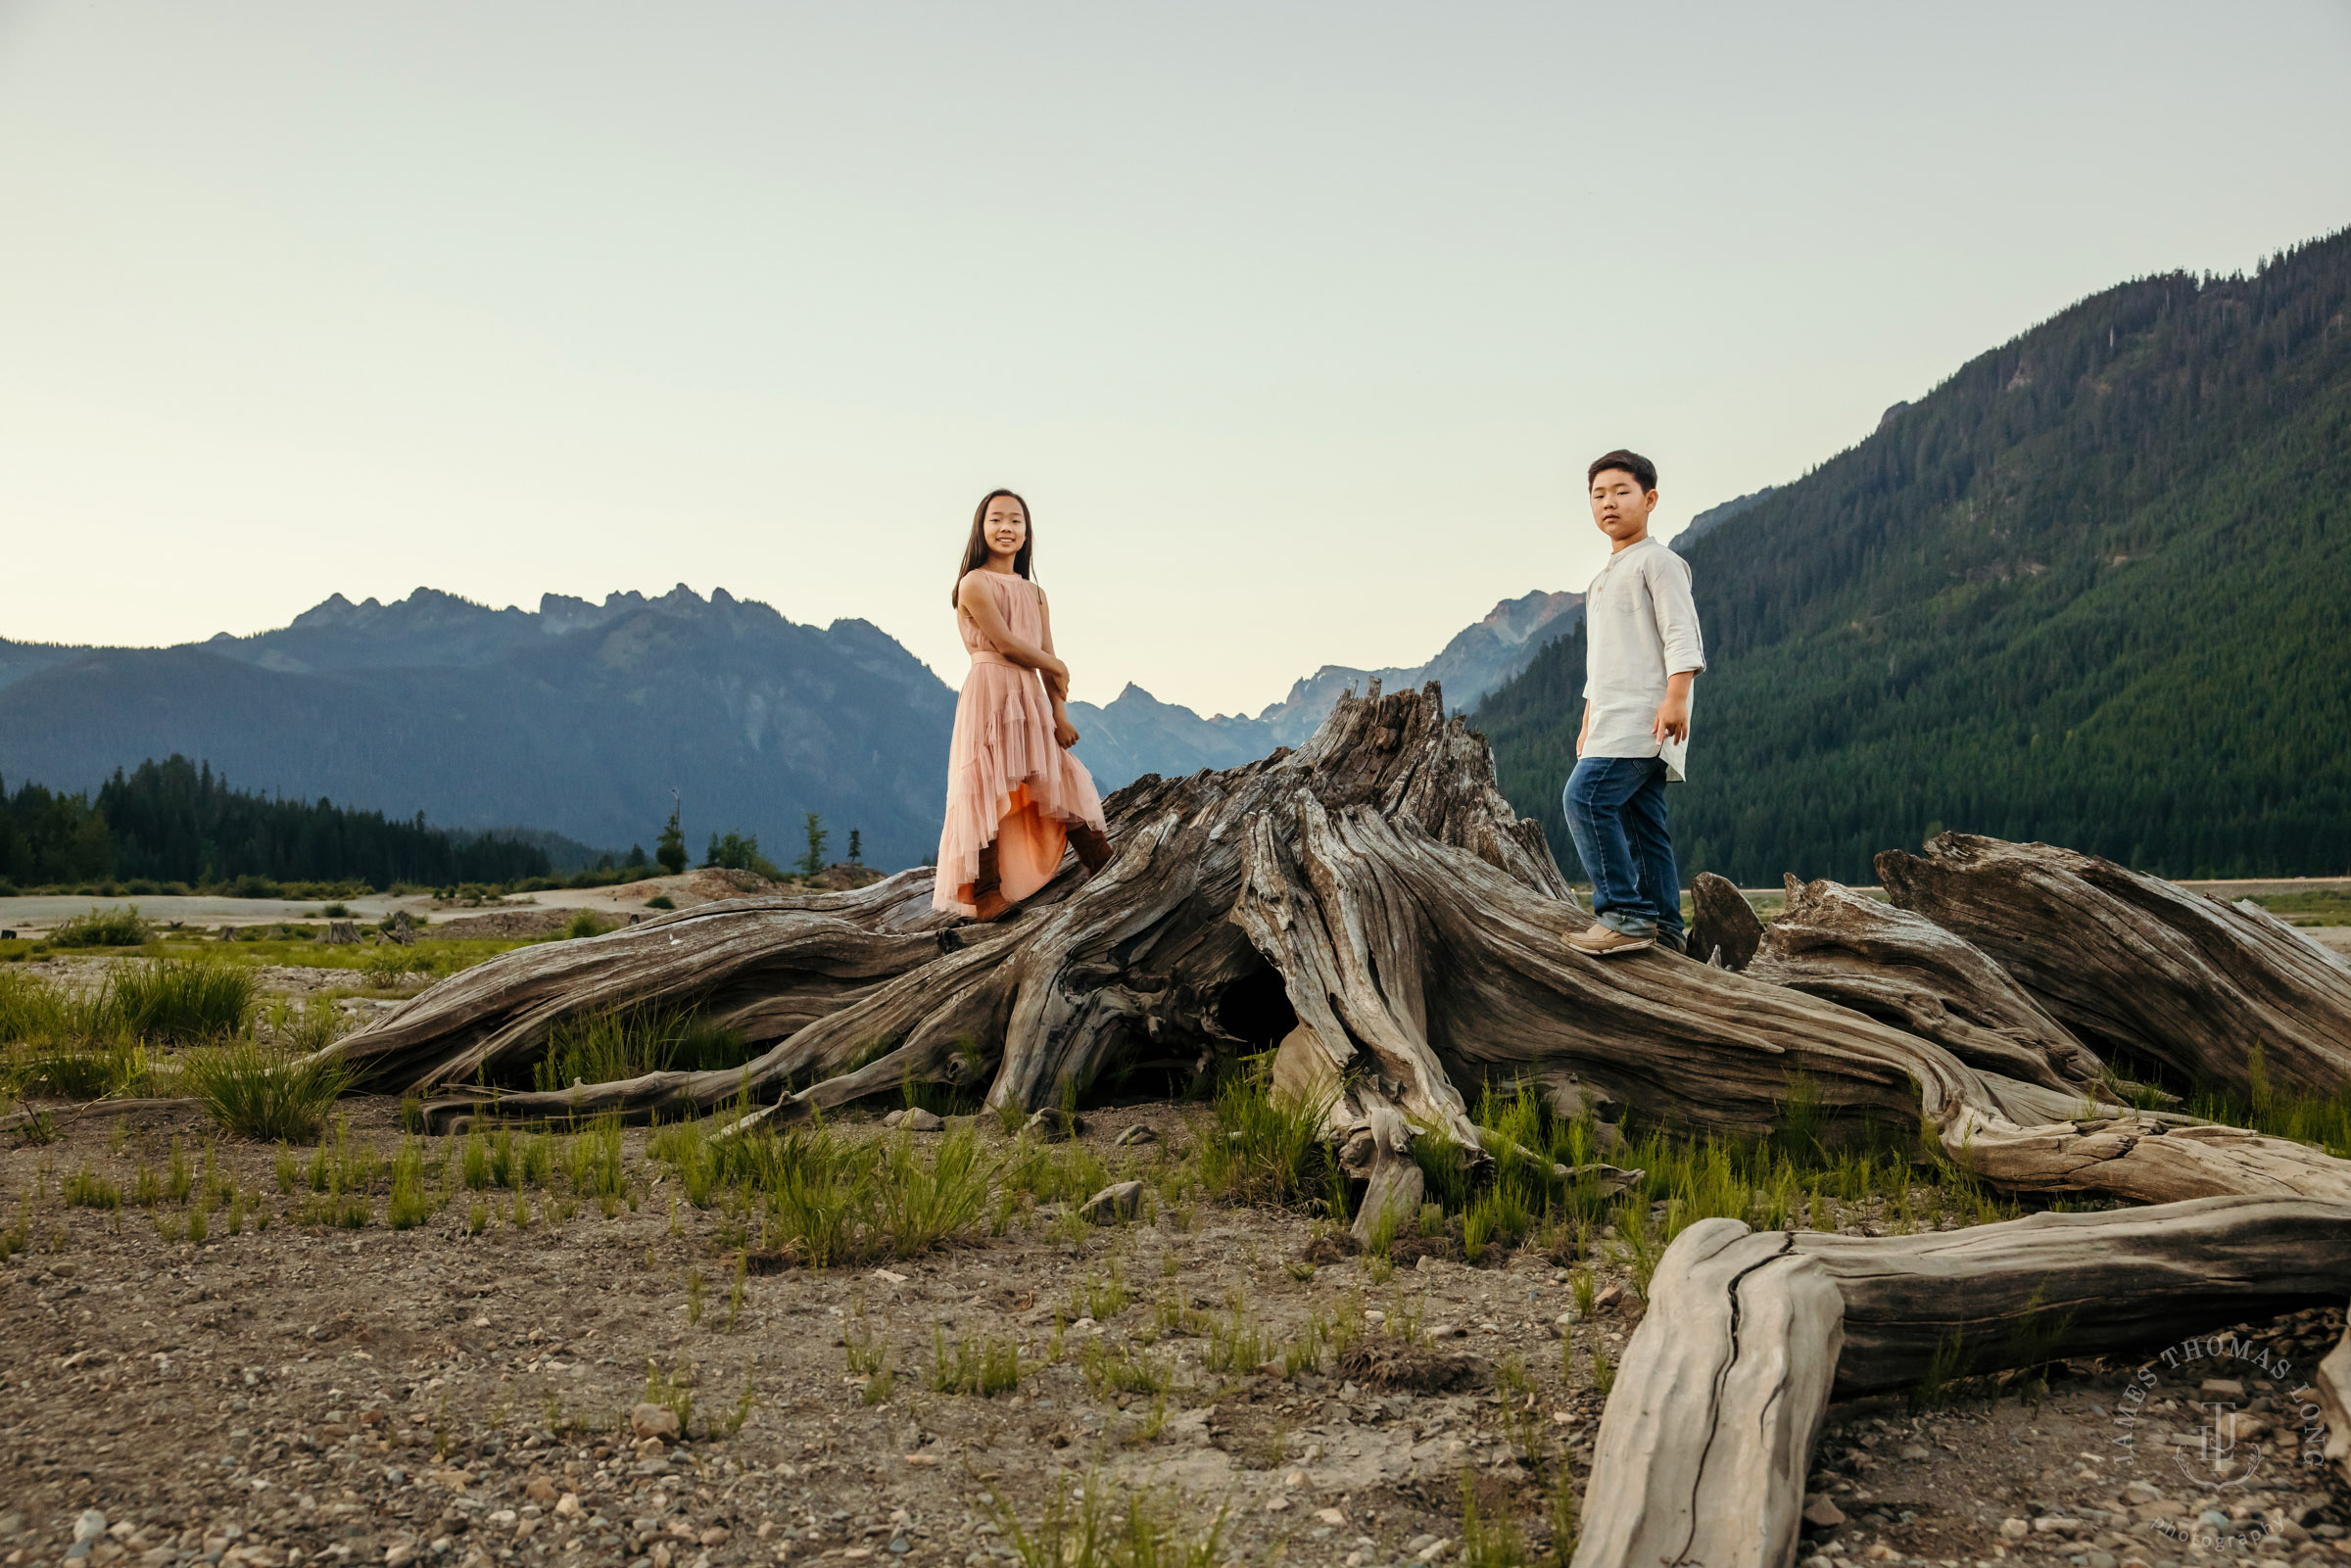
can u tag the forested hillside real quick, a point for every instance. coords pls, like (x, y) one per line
(2095, 589)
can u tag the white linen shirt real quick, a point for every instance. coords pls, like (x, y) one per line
(1641, 625)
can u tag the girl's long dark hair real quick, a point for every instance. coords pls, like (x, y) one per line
(975, 551)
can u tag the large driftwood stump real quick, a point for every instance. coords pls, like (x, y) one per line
(1140, 968)
(1372, 903)
(2137, 966)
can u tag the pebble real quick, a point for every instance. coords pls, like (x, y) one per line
(2015, 1529)
(1138, 1133)
(653, 1421)
(920, 1121)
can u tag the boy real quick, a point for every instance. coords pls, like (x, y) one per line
(1641, 655)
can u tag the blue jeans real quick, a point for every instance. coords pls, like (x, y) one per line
(1616, 810)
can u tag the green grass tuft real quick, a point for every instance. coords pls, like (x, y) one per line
(256, 1091)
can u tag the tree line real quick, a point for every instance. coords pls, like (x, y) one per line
(177, 821)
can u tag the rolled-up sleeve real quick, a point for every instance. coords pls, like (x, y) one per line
(1668, 579)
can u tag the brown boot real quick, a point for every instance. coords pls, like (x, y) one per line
(1602, 940)
(1092, 846)
(987, 897)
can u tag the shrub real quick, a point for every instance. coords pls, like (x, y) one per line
(660, 901)
(256, 1091)
(183, 998)
(119, 926)
(583, 924)
(390, 963)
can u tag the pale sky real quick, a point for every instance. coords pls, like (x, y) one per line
(1296, 322)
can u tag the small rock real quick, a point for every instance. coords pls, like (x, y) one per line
(920, 1121)
(568, 1506)
(716, 1536)
(540, 1489)
(1122, 1199)
(1918, 1450)
(653, 1421)
(1278, 1503)
(89, 1527)
(1417, 1541)
(2225, 1388)
(1053, 1123)
(1433, 1550)
(1138, 1133)
(1329, 1517)
(2052, 1522)
(1820, 1512)
(893, 1119)
(400, 1554)
(2015, 1529)
(1608, 1299)
(650, 1448)
(923, 1461)
(1445, 1331)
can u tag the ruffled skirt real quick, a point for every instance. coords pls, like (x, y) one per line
(1009, 784)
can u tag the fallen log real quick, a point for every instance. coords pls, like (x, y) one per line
(1904, 970)
(2136, 967)
(1723, 1383)
(1708, 1433)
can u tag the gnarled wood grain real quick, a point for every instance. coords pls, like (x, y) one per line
(2136, 966)
(1904, 970)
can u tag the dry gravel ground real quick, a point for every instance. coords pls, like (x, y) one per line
(434, 1395)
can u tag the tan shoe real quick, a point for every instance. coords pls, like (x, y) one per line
(1602, 940)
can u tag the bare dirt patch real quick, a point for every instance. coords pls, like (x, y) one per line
(462, 1392)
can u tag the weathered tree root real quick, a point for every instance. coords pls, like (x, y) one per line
(2135, 965)
(1705, 1443)
(858, 992)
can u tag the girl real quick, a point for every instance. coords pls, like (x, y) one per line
(1015, 795)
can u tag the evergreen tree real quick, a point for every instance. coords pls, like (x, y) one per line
(670, 848)
(813, 861)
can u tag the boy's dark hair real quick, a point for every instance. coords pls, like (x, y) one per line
(1643, 472)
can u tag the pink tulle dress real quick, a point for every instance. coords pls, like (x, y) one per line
(1009, 782)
